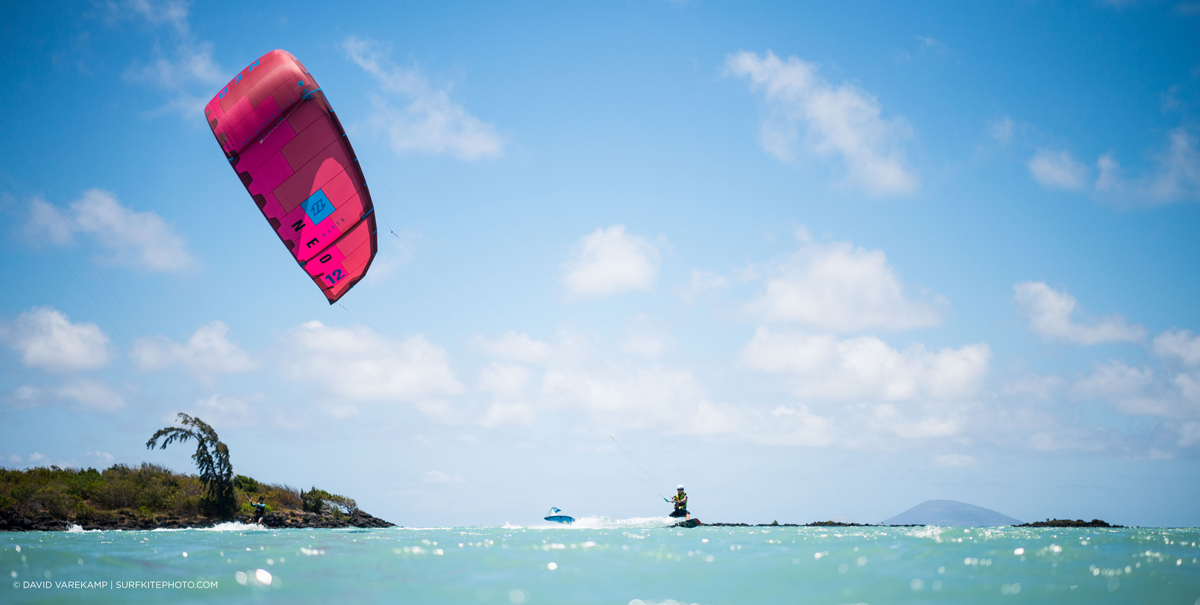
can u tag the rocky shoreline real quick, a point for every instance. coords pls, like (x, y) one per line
(1047, 523)
(294, 519)
(287, 519)
(818, 524)
(1068, 523)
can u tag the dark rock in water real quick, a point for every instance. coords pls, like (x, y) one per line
(778, 524)
(295, 518)
(1069, 523)
(950, 514)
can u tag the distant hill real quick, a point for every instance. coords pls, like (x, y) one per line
(952, 514)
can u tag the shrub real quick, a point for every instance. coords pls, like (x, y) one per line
(320, 502)
(145, 491)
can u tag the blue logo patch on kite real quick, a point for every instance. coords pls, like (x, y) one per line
(317, 207)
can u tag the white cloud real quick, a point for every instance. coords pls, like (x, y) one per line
(823, 368)
(1189, 434)
(1041, 388)
(617, 390)
(34, 457)
(229, 411)
(80, 393)
(192, 64)
(795, 425)
(431, 122)
(501, 413)
(1142, 391)
(890, 419)
(208, 352)
(135, 239)
(700, 282)
(359, 364)
(927, 49)
(1001, 129)
(932, 44)
(508, 384)
(25, 396)
(610, 261)
(639, 397)
(1174, 177)
(169, 12)
(513, 347)
(955, 460)
(1189, 388)
(1179, 345)
(914, 394)
(1050, 315)
(841, 120)
(140, 239)
(504, 378)
(1058, 170)
(92, 394)
(644, 338)
(1116, 381)
(46, 220)
(440, 477)
(187, 71)
(47, 339)
(104, 456)
(573, 377)
(839, 287)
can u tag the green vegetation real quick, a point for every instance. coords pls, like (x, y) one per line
(146, 492)
(212, 459)
(322, 502)
(1068, 523)
(136, 497)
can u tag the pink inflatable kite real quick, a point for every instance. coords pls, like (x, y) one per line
(286, 144)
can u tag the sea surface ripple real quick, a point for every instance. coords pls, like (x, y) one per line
(598, 560)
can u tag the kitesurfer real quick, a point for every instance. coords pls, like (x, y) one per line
(260, 509)
(680, 502)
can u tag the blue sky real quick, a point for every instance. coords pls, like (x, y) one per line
(811, 262)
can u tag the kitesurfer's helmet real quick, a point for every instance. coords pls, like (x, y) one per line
(680, 486)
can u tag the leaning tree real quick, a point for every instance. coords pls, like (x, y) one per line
(212, 459)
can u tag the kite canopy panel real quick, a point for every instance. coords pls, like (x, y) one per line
(290, 151)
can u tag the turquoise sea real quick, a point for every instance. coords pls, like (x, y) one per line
(635, 561)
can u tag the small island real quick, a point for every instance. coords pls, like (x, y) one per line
(1070, 523)
(152, 497)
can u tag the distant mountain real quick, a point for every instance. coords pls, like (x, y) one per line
(950, 513)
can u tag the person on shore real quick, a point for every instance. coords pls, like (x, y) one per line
(680, 502)
(260, 509)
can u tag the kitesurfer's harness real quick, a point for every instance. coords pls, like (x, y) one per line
(679, 500)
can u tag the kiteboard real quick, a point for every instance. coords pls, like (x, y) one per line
(688, 523)
(552, 516)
